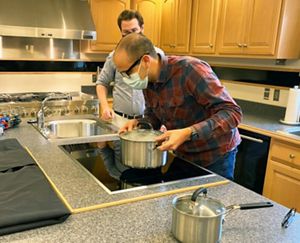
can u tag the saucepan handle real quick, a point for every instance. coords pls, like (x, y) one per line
(143, 124)
(247, 206)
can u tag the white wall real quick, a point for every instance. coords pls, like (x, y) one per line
(43, 82)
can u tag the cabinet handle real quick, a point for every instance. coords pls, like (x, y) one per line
(240, 45)
(172, 46)
(292, 156)
(245, 45)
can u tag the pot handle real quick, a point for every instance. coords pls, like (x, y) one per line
(198, 192)
(247, 206)
(145, 124)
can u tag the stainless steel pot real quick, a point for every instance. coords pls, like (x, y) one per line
(139, 149)
(199, 219)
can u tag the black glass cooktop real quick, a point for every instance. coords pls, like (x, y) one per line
(131, 178)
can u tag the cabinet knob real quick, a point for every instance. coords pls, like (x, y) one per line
(172, 45)
(292, 156)
(240, 45)
(211, 45)
(245, 45)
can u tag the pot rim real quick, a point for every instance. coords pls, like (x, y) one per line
(142, 130)
(186, 196)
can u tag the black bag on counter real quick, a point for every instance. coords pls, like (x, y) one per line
(27, 200)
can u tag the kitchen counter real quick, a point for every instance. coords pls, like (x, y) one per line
(150, 221)
(145, 220)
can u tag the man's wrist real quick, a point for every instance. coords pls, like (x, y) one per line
(193, 134)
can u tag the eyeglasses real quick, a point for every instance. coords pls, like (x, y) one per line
(288, 218)
(126, 74)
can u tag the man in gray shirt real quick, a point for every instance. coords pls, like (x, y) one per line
(128, 103)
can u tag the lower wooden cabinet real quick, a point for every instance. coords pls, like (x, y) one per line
(282, 181)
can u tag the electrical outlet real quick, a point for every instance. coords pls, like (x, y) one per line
(94, 78)
(276, 94)
(267, 94)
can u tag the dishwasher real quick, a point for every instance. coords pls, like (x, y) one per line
(251, 160)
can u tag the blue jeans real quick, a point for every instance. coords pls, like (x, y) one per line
(224, 166)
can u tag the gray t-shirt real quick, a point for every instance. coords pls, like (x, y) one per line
(125, 99)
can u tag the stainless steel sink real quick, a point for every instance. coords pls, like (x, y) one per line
(72, 128)
(292, 132)
(78, 130)
(297, 133)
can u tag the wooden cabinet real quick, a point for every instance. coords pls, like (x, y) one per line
(151, 12)
(282, 181)
(205, 16)
(259, 28)
(105, 14)
(175, 25)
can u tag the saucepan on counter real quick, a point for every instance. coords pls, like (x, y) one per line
(198, 218)
(139, 148)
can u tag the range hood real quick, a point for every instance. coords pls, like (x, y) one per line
(61, 19)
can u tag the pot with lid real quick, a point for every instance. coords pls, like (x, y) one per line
(139, 148)
(198, 218)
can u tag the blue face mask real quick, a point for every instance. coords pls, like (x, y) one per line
(135, 81)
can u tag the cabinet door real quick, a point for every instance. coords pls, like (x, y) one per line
(282, 184)
(175, 29)
(204, 26)
(105, 14)
(151, 12)
(232, 24)
(262, 27)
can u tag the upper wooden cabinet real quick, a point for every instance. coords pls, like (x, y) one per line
(205, 16)
(259, 28)
(175, 25)
(105, 14)
(151, 12)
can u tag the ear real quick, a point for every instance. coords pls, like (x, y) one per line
(142, 29)
(147, 60)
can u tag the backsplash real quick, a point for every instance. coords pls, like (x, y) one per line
(44, 82)
(264, 94)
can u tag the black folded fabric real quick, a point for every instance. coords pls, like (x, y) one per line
(9, 144)
(27, 200)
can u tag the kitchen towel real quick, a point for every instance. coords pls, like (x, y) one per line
(27, 200)
(292, 112)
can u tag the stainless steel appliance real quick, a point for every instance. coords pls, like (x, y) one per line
(28, 104)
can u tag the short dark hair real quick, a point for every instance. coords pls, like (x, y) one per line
(129, 15)
(136, 45)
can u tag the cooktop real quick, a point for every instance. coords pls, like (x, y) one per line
(91, 161)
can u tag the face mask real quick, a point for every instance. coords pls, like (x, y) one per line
(135, 81)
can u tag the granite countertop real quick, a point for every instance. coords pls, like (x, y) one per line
(142, 221)
(150, 221)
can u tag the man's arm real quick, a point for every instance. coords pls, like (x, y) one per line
(106, 76)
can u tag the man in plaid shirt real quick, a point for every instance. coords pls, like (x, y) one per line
(184, 95)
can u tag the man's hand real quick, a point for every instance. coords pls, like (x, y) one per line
(172, 139)
(107, 114)
(128, 126)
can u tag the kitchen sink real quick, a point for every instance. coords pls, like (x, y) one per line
(297, 133)
(72, 128)
(82, 129)
(294, 132)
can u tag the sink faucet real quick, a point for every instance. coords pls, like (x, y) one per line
(41, 113)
